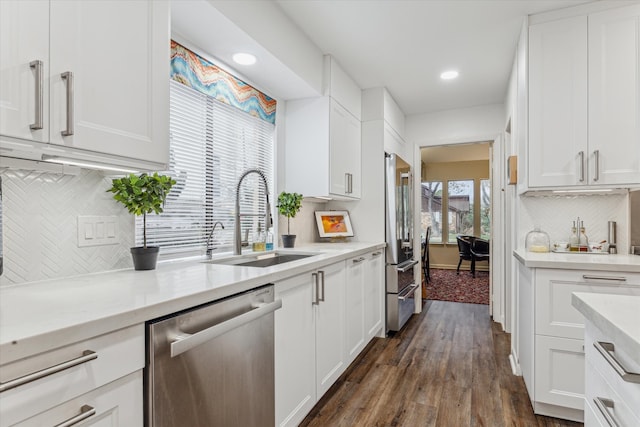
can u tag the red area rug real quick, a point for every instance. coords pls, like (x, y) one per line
(446, 285)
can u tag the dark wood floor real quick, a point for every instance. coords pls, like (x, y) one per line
(448, 367)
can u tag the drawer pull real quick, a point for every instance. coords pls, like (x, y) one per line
(85, 412)
(411, 289)
(602, 404)
(359, 260)
(87, 355)
(607, 349)
(615, 278)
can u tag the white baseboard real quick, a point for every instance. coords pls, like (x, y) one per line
(515, 367)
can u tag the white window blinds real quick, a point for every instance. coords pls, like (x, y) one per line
(211, 145)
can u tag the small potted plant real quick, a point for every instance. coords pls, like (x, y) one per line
(143, 194)
(288, 205)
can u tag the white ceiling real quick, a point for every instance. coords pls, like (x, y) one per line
(402, 45)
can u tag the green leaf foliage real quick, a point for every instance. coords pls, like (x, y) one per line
(142, 194)
(289, 204)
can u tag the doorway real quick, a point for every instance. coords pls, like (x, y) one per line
(456, 200)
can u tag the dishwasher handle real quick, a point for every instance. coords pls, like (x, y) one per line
(183, 342)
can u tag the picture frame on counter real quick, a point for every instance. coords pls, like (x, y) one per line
(334, 224)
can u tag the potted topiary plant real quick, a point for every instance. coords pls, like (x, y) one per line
(143, 194)
(288, 205)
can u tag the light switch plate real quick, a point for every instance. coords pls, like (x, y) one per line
(97, 230)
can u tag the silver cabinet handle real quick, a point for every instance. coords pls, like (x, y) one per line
(37, 65)
(407, 267)
(68, 76)
(86, 411)
(321, 274)
(183, 342)
(607, 349)
(602, 404)
(376, 254)
(596, 154)
(410, 291)
(614, 278)
(581, 154)
(346, 183)
(350, 183)
(359, 260)
(317, 282)
(87, 355)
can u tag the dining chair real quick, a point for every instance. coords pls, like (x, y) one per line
(479, 252)
(464, 250)
(425, 256)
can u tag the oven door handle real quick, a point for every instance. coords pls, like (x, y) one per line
(411, 289)
(406, 267)
(183, 342)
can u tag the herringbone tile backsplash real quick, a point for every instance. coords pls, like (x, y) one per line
(40, 214)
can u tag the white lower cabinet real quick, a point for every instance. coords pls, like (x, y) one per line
(373, 293)
(118, 403)
(55, 385)
(327, 317)
(550, 334)
(309, 343)
(354, 288)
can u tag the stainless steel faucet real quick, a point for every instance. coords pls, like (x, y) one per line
(209, 250)
(237, 247)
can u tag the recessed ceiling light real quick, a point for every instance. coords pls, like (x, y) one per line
(448, 75)
(244, 58)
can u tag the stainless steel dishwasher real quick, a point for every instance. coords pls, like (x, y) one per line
(213, 365)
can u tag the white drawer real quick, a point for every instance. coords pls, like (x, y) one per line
(118, 403)
(555, 315)
(118, 353)
(590, 417)
(629, 392)
(611, 404)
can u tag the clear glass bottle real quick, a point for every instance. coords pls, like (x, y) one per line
(537, 241)
(259, 244)
(583, 240)
(574, 240)
(269, 242)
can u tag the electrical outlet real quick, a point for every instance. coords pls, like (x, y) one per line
(97, 231)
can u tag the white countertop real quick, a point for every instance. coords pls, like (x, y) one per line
(618, 316)
(39, 316)
(579, 261)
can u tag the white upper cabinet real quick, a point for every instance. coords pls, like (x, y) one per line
(584, 100)
(24, 69)
(614, 96)
(105, 72)
(323, 141)
(557, 102)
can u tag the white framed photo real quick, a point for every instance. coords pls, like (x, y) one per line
(334, 224)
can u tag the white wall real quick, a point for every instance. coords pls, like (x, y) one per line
(473, 124)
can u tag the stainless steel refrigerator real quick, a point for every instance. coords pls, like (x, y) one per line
(400, 283)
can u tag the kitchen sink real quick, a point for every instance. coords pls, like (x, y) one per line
(261, 260)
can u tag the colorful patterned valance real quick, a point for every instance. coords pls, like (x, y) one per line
(196, 72)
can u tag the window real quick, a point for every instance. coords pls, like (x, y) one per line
(432, 210)
(485, 208)
(211, 145)
(460, 208)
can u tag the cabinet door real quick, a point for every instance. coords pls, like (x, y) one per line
(559, 371)
(295, 382)
(118, 403)
(558, 103)
(354, 303)
(344, 156)
(24, 38)
(614, 96)
(330, 325)
(118, 53)
(555, 315)
(373, 293)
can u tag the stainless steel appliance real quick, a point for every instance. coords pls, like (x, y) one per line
(213, 365)
(400, 283)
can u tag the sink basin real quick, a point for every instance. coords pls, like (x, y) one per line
(261, 260)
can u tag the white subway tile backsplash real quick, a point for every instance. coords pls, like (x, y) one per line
(40, 222)
(555, 215)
